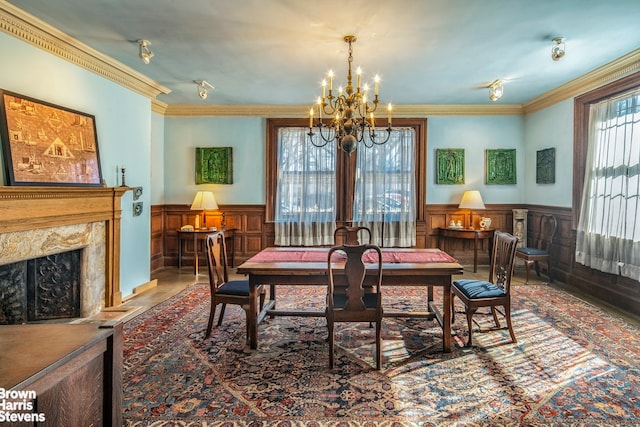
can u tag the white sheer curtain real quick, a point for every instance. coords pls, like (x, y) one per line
(385, 190)
(305, 199)
(608, 234)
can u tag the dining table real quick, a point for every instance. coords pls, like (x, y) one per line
(307, 266)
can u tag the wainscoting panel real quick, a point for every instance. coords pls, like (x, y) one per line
(253, 234)
(157, 237)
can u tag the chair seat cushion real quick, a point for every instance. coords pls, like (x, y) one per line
(475, 289)
(235, 287)
(531, 251)
(370, 300)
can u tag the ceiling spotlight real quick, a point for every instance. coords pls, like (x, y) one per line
(203, 88)
(145, 53)
(495, 90)
(557, 50)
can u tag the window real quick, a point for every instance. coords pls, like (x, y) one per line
(384, 195)
(608, 230)
(312, 188)
(305, 195)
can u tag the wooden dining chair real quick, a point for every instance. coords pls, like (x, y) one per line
(542, 248)
(223, 290)
(495, 292)
(351, 303)
(350, 235)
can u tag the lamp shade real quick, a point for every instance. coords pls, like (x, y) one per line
(471, 200)
(204, 200)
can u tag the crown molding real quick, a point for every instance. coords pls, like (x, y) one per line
(28, 28)
(301, 111)
(623, 66)
(159, 107)
(458, 110)
(269, 111)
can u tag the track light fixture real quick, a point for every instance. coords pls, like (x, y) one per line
(495, 90)
(203, 88)
(557, 50)
(145, 53)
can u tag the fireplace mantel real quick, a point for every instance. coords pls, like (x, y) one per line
(28, 208)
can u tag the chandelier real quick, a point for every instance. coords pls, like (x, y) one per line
(351, 112)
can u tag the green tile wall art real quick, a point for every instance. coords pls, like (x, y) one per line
(214, 165)
(500, 166)
(546, 166)
(450, 166)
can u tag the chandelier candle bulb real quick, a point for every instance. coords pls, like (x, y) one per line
(359, 73)
(330, 81)
(376, 79)
(311, 118)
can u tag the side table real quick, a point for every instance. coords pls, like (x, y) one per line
(476, 235)
(199, 236)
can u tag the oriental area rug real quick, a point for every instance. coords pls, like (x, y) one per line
(574, 365)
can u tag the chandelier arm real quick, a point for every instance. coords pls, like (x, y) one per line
(323, 140)
(329, 109)
(374, 137)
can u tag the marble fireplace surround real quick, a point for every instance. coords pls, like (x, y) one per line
(40, 221)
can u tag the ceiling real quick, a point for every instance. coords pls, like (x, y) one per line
(276, 52)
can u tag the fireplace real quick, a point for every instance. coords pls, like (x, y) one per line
(40, 222)
(25, 247)
(43, 288)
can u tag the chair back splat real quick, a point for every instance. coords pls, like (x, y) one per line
(350, 235)
(495, 292)
(223, 290)
(354, 291)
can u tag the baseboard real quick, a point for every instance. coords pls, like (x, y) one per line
(142, 288)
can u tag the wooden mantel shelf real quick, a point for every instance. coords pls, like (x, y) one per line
(26, 208)
(29, 208)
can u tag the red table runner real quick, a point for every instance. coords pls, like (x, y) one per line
(404, 256)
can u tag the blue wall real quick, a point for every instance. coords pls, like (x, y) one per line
(123, 124)
(551, 127)
(247, 137)
(475, 134)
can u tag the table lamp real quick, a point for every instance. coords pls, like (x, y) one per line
(471, 200)
(203, 201)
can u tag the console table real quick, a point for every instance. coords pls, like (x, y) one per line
(476, 235)
(198, 237)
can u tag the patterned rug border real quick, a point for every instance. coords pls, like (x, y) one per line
(289, 422)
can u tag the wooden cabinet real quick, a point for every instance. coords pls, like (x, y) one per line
(70, 375)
